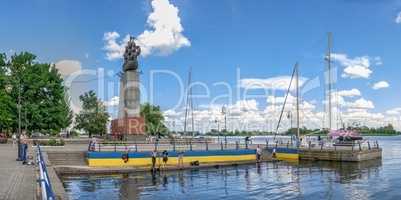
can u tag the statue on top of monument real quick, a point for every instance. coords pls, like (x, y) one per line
(132, 51)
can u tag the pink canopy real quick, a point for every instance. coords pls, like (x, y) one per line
(344, 133)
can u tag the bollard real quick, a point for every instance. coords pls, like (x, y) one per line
(115, 147)
(309, 144)
(352, 148)
(360, 148)
(207, 146)
(236, 145)
(190, 145)
(225, 142)
(276, 144)
(267, 144)
(377, 144)
(221, 145)
(368, 145)
(136, 147)
(174, 145)
(99, 146)
(288, 143)
(321, 146)
(335, 148)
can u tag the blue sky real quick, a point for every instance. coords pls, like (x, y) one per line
(262, 38)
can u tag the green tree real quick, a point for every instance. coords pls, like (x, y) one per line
(39, 89)
(154, 119)
(6, 102)
(93, 118)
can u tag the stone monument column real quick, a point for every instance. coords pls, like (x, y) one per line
(129, 121)
(129, 95)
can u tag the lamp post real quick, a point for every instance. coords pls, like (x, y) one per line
(19, 120)
(224, 112)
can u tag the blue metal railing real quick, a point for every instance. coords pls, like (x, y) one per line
(46, 187)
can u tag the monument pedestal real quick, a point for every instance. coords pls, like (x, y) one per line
(128, 126)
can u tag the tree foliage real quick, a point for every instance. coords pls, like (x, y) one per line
(93, 117)
(6, 102)
(43, 99)
(385, 130)
(154, 119)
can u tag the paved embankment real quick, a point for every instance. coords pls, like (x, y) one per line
(17, 181)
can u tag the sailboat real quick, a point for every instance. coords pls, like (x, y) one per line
(288, 152)
(342, 136)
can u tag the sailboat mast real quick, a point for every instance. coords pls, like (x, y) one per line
(192, 110)
(297, 93)
(328, 58)
(187, 102)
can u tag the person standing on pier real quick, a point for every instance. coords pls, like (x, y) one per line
(154, 155)
(180, 159)
(24, 147)
(258, 153)
(14, 139)
(92, 144)
(165, 158)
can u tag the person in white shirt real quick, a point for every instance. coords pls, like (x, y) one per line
(14, 139)
(258, 153)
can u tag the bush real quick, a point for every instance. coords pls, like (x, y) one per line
(51, 142)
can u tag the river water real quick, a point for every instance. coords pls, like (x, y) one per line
(379, 179)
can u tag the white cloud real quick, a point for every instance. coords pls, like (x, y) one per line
(360, 115)
(274, 83)
(380, 85)
(67, 67)
(338, 98)
(358, 67)
(398, 18)
(171, 113)
(361, 104)
(112, 102)
(245, 105)
(378, 61)
(394, 111)
(280, 100)
(349, 93)
(247, 115)
(113, 48)
(163, 38)
(356, 71)
(165, 35)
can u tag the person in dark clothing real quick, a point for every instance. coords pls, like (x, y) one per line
(24, 147)
(165, 158)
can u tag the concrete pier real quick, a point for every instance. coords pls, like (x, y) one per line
(328, 151)
(357, 152)
(71, 159)
(17, 181)
(340, 155)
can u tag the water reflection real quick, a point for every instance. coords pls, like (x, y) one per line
(345, 172)
(374, 179)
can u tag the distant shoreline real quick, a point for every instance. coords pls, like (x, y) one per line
(375, 134)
